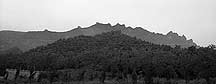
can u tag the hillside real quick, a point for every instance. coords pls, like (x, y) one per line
(32, 39)
(117, 55)
(110, 45)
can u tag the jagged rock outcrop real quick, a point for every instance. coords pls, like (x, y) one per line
(32, 39)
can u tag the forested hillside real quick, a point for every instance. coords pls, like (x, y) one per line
(119, 55)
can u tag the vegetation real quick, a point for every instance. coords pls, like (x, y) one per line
(114, 55)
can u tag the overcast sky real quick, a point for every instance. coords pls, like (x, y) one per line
(196, 19)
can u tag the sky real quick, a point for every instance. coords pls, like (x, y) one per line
(196, 19)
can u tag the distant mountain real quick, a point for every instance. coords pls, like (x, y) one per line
(32, 39)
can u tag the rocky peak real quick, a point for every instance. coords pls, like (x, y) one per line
(171, 33)
(46, 31)
(139, 28)
(100, 25)
(119, 25)
(183, 37)
(79, 27)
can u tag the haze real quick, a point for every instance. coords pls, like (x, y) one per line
(196, 19)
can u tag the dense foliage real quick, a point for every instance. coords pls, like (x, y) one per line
(119, 55)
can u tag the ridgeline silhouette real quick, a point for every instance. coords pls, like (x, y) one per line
(32, 39)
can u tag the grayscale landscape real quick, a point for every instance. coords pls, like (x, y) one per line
(107, 42)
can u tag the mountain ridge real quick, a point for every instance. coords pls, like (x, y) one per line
(32, 39)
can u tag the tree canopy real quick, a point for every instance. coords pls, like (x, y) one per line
(117, 53)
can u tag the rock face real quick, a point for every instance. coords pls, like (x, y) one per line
(32, 39)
